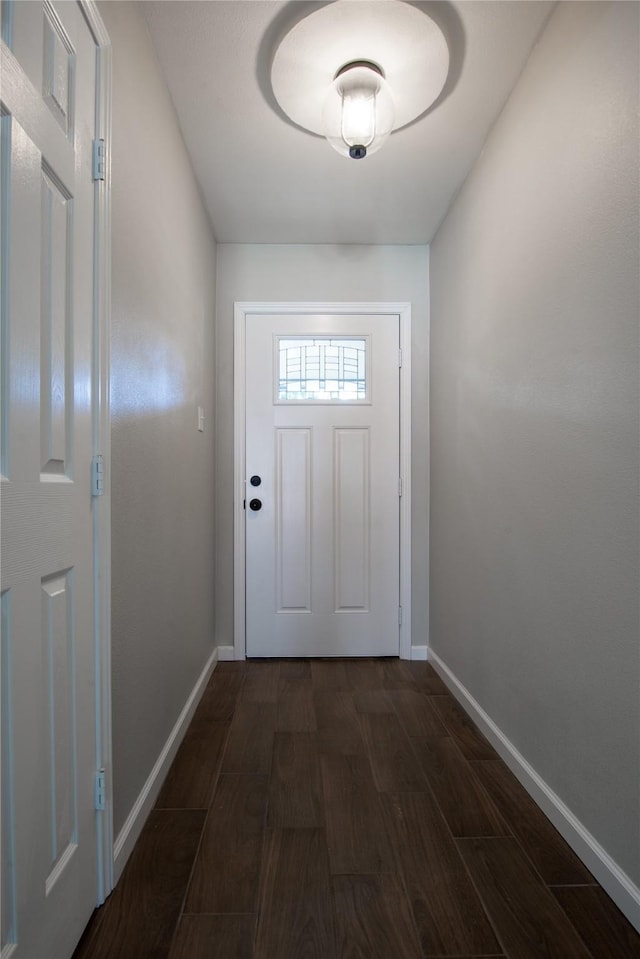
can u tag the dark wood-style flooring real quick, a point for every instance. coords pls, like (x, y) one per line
(333, 809)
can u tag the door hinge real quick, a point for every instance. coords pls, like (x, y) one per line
(399, 615)
(97, 475)
(399, 357)
(399, 486)
(99, 160)
(99, 790)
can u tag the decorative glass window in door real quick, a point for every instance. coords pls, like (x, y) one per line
(322, 369)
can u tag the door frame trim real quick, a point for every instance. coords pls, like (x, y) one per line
(240, 311)
(101, 415)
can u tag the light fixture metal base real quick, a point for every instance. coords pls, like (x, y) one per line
(360, 63)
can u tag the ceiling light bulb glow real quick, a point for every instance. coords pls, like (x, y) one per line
(359, 120)
(358, 112)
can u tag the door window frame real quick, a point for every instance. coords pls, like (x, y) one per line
(400, 312)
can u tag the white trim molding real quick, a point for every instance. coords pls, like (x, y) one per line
(226, 654)
(101, 415)
(611, 877)
(130, 832)
(241, 309)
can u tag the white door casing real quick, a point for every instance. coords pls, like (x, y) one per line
(56, 848)
(330, 547)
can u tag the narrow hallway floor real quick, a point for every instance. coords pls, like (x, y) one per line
(348, 809)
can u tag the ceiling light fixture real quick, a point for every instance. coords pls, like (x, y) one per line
(354, 72)
(358, 112)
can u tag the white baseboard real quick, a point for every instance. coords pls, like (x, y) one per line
(611, 877)
(419, 652)
(226, 654)
(128, 835)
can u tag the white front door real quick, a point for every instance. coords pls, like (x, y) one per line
(49, 848)
(322, 485)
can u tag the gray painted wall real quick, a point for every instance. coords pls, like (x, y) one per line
(313, 273)
(162, 369)
(534, 422)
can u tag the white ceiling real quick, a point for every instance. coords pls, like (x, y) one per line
(264, 180)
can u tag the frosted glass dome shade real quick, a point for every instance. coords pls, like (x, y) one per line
(358, 112)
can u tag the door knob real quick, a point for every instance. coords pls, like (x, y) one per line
(255, 505)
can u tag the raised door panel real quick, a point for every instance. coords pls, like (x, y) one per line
(58, 70)
(58, 652)
(293, 519)
(351, 520)
(56, 358)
